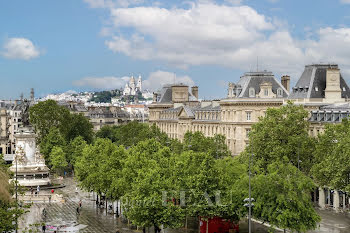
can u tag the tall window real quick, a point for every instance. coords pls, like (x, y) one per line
(251, 92)
(249, 116)
(266, 92)
(279, 92)
(247, 131)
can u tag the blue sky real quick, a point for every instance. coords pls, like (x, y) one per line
(56, 46)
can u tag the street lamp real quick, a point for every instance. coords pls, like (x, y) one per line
(250, 199)
(16, 195)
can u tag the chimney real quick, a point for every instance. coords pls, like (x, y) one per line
(333, 90)
(194, 91)
(32, 94)
(155, 97)
(285, 80)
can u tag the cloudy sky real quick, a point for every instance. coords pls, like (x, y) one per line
(61, 45)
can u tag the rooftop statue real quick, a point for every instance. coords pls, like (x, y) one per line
(25, 112)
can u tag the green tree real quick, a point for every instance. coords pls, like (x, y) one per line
(282, 197)
(58, 160)
(134, 132)
(108, 132)
(99, 167)
(74, 149)
(52, 139)
(332, 155)
(146, 181)
(9, 209)
(215, 146)
(78, 125)
(46, 115)
(282, 132)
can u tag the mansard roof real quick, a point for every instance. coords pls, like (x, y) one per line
(255, 79)
(312, 83)
(166, 94)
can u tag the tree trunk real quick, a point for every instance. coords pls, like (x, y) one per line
(117, 209)
(144, 230)
(106, 204)
(199, 224)
(207, 226)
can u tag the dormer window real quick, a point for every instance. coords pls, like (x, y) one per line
(344, 89)
(251, 92)
(316, 88)
(279, 92)
(266, 92)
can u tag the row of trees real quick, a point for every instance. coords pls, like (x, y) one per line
(10, 210)
(141, 166)
(136, 163)
(61, 134)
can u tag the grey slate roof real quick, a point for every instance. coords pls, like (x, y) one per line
(189, 111)
(165, 95)
(314, 76)
(336, 107)
(255, 79)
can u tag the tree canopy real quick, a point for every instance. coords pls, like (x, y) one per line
(48, 114)
(282, 154)
(282, 132)
(332, 154)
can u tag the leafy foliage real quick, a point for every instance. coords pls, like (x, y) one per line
(132, 133)
(52, 139)
(283, 197)
(282, 132)
(332, 157)
(102, 97)
(100, 165)
(48, 114)
(215, 146)
(58, 160)
(146, 179)
(9, 209)
(279, 144)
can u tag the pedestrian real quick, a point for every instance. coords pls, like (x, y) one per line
(31, 191)
(49, 199)
(52, 191)
(38, 189)
(43, 228)
(80, 204)
(78, 211)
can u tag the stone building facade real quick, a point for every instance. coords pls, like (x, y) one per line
(175, 110)
(4, 133)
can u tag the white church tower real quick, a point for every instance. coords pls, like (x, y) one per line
(139, 83)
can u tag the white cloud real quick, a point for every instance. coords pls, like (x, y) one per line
(207, 33)
(160, 78)
(20, 48)
(234, 2)
(204, 34)
(103, 83)
(112, 3)
(345, 1)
